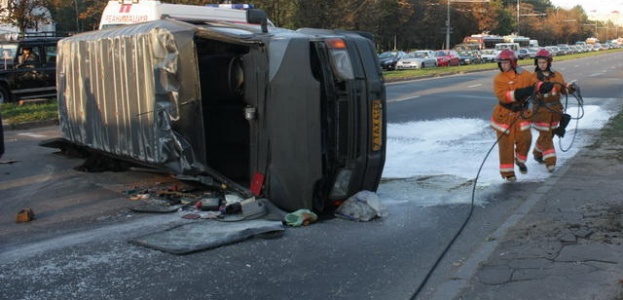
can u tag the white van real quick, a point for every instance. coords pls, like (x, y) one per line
(502, 46)
(124, 12)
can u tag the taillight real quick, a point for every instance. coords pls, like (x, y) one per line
(340, 60)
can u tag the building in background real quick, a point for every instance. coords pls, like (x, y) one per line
(10, 31)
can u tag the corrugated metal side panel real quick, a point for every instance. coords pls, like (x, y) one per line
(120, 92)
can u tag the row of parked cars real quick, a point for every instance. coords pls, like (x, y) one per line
(564, 49)
(420, 59)
(581, 48)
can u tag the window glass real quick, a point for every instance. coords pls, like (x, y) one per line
(29, 57)
(50, 54)
(8, 56)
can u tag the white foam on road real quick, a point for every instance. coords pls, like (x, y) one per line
(457, 147)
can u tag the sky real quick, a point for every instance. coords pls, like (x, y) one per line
(597, 9)
(451, 152)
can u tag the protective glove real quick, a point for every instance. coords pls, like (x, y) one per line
(571, 87)
(523, 93)
(544, 87)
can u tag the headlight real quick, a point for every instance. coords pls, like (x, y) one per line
(340, 59)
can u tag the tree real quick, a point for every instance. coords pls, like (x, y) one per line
(400, 24)
(27, 14)
(281, 12)
(91, 14)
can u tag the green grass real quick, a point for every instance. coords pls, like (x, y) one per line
(13, 113)
(610, 142)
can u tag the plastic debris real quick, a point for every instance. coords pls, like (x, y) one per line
(232, 198)
(252, 209)
(209, 203)
(247, 209)
(301, 217)
(362, 206)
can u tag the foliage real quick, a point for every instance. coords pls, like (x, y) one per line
(396, 24)
(26, 14)
(13, 113)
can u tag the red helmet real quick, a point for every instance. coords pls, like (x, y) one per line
(543, 54)
(509, 55)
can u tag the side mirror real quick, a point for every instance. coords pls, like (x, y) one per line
(258, 16)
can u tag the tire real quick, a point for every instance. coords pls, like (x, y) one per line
(422, 66)
(5, 95)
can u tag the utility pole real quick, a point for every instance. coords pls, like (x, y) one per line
(517, 17)
(448, 28)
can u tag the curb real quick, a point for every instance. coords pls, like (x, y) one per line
(452, 288)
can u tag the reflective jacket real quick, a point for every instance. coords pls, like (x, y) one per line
(548, 106)
(507, 110)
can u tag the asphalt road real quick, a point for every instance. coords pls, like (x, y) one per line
(78, 247)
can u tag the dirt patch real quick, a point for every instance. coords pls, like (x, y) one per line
(610, 142)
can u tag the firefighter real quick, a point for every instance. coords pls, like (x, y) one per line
(548, 109)
(512, 87)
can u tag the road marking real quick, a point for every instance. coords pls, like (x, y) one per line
(404, 99)
(474, 85)
(33, 135)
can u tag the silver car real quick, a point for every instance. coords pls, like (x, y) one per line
(489, 55)
(419, 59)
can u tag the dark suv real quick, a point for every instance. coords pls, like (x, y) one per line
(22, 78)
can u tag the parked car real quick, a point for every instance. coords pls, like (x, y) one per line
(468, 57)
(564, 49)
(554, 50)
(488, 55)
(447, 58)
(524, 53)
(389, 59)
(533, 51)
(419, 59)
(27, 79)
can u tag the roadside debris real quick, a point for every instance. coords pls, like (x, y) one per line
(301, 217)
(25, 215)
(362, 206)
(228, 206)
(198, 203)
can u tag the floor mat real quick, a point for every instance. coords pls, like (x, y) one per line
(206, 235)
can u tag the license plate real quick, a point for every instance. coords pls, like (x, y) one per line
(377, 125)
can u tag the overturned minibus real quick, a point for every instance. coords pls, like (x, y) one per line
(295, 116)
